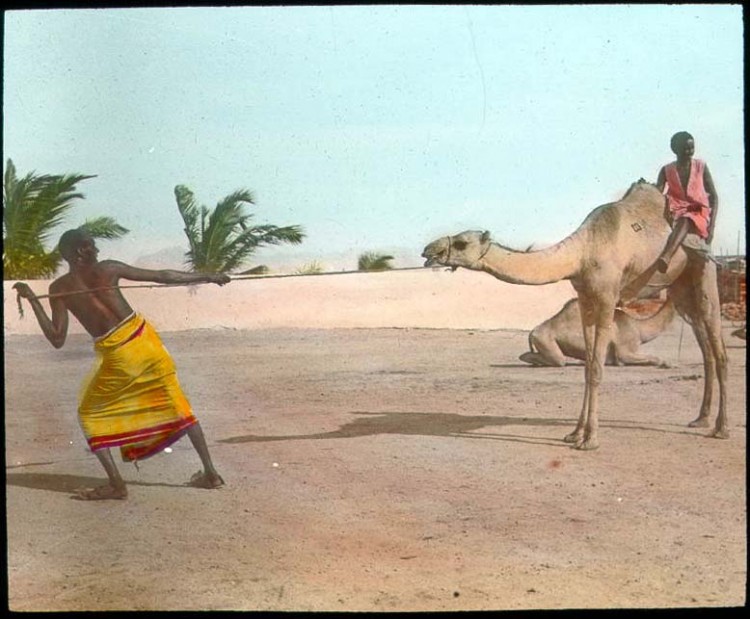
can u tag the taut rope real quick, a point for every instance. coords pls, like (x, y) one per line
(231, 278)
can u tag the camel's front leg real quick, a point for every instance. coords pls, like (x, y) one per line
(597, 320)
(602, 338)
(577, 435)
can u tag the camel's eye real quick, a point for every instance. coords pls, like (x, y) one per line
(459, 245)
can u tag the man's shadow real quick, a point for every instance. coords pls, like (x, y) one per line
(422, 424)
(67, 484)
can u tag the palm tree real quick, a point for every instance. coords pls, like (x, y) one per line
(222, 239)
(33, 206)
(372, 261)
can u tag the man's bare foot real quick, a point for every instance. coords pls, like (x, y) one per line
(208, 481)
(102, 493)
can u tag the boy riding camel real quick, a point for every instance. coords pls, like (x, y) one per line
(692, 200)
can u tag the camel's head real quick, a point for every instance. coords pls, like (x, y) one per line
(462, 250)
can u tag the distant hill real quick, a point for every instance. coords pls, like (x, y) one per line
(167, 258)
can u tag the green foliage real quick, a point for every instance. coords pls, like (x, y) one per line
(373, 261)
(221, 240)
(33, 206)
(104, 228)
(311, 268)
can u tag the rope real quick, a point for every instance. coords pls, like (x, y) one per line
(231, 278)
(272, 276)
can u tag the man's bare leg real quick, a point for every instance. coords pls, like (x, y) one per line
(681, 228)
(115, 489)
(210, 477)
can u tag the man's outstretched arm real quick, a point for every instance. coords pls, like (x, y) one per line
(163, 276)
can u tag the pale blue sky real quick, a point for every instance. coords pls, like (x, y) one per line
(376, 128)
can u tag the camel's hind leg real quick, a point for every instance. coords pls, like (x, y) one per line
(708, 295)
(698, 296)
(544, 351)
(709, 374)
(631, 358)
(626, 346)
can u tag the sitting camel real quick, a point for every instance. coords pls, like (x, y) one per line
(608, 259)
(561, 336)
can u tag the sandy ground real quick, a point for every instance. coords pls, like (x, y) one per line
(382, 470)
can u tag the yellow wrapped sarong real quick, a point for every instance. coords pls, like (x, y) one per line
(133, 399)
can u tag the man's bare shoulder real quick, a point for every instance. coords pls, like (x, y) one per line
(61, 284)
(110, 263)
(112, 267)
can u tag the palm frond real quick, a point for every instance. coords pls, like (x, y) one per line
(222, 239)
(104, 228)
(373, 261)
(33, 206)
(189, 212)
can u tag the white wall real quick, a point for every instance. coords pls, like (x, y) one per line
(436, 299)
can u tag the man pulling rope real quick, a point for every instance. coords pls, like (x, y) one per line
(133, 399)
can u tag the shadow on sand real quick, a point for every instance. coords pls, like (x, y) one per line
(442, 424)
(66, 484)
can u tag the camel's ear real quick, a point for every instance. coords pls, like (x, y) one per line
(486, 236)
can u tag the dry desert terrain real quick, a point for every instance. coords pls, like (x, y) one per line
(410, 466)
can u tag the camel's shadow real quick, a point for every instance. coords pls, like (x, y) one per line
(65, 483)
(441, 424)
(532, 366)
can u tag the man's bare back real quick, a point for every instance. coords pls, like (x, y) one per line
(94, 298)
(92, 295)
(90, 291)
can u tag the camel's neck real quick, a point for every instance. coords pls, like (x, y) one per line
(553, 264)
(651, 327)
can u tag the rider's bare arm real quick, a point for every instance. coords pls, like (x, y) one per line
(713, 201)
(661, 180)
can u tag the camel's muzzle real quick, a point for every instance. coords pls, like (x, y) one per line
(435, 253)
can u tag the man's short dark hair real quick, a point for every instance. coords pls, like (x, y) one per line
(70, 241)
(678, 139)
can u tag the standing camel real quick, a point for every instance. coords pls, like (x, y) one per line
(608, 259)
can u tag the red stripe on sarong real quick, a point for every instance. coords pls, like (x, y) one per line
(135, 333)
(171, 431)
